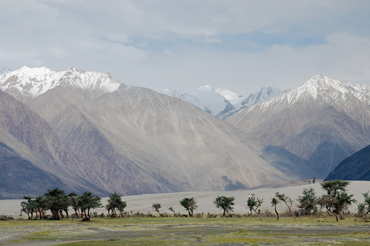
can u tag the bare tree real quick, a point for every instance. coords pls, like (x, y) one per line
(287, 200)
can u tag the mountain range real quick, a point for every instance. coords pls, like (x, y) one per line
(82, 130)
(89, 131)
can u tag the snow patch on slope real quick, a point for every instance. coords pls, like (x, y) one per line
(216, 103)
(190, 98)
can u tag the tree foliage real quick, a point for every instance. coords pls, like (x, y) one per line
(336, 199)
(366, 202)
(225, 203)
(57, 201)
(115, 204)
(308, 202)
(88, 201)
(74, 203)
(189, 204)
(254, 204)
(274, 203)
(29, 206)
(156, 207)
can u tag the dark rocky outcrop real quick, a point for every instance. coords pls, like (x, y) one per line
(355, 167)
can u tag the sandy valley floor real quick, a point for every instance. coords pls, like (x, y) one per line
(143, 203)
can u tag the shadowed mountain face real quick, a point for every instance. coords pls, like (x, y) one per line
(35, 150)
(20, 177)
(322, 122)
(355, 167)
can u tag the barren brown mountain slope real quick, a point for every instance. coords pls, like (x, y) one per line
(136, 140)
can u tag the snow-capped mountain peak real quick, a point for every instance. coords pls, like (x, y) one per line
(27, 83)
(90, 80)
(330, 91)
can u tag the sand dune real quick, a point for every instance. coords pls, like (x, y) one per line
(205, 200)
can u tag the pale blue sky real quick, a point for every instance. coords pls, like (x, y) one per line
(183, 44)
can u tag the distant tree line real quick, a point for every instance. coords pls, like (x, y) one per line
(335, 201)
(57, 201)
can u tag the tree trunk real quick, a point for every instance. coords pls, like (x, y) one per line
(277, 214)
(290, 211)
(190, 213)
(332, 213)
(259, 214)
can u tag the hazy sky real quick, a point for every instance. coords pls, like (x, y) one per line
(238, 45)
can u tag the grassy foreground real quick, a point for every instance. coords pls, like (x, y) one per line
(186, 231)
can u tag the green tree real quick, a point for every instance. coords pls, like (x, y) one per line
(254, 204)
(367, 202)
(287, 200)
(336, 198)
(41, 205)
(189, 204)
(225, 203)
(274, 203)
(87, 202)
(171, 209)
(361, 210)
(115, 204)
(29, 206)
(74, 202)
(57, 201)
(308, 202)
(156, 207)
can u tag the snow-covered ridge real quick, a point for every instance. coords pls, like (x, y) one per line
(205, 98)
(331, 91)
(33, 82)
